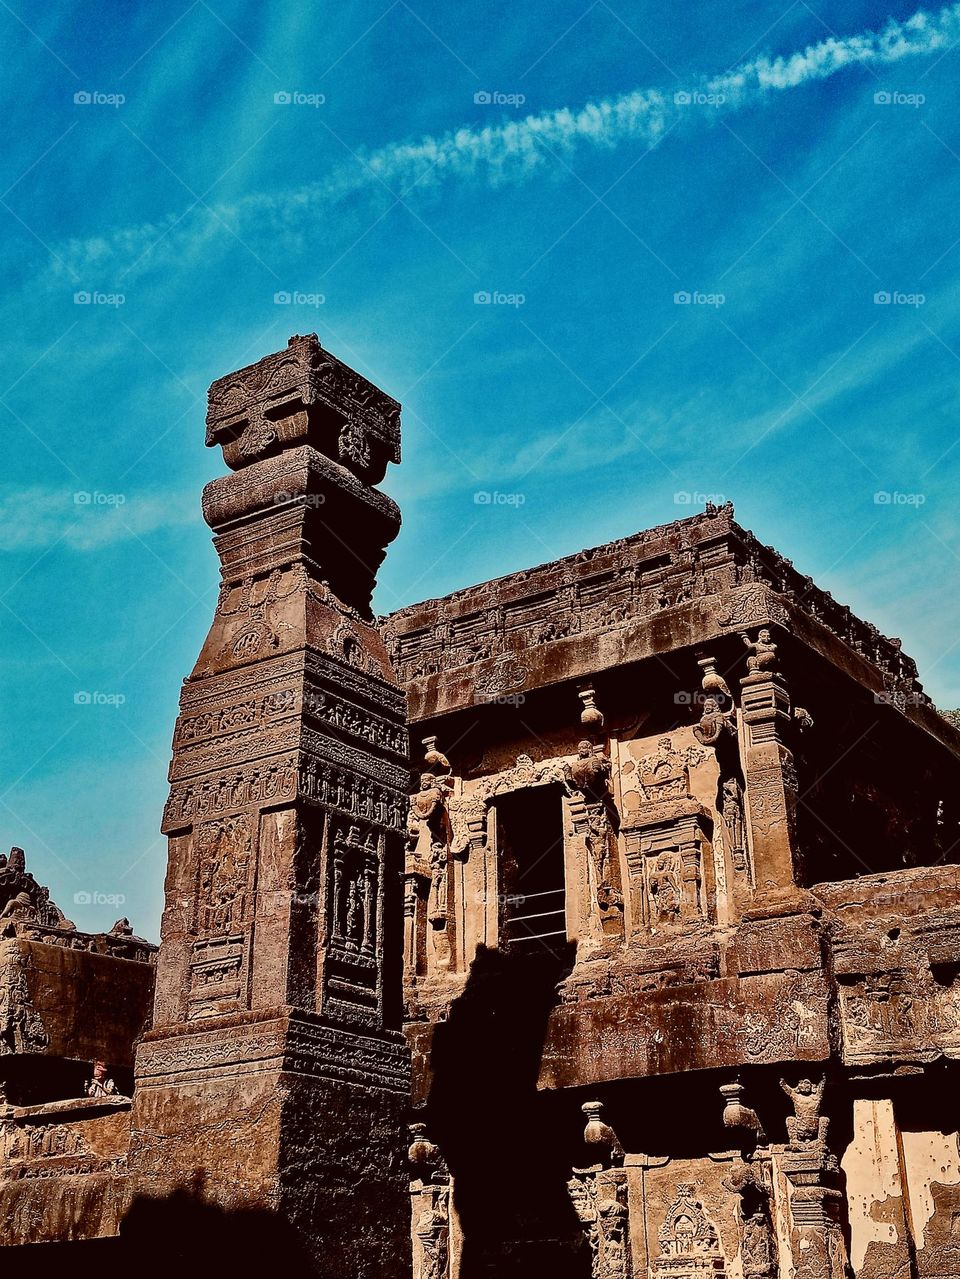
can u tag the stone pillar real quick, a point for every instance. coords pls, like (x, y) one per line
(816, 1241)
(880, 1243)
(771, 779)
(275, 1076)
(431, 1209)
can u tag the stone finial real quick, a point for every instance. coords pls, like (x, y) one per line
(599, 1137)
(435, 762)
(737, 1116)
(711, 681)
(17, 860)
(422, 1154)
(591, 717)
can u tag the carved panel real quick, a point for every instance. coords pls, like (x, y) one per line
(688, 1241)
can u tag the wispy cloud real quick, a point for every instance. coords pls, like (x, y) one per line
(35, 519)
(510, 152)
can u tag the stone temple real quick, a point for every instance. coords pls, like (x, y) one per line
(601, 921)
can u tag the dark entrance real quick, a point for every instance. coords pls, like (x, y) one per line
(533, 886)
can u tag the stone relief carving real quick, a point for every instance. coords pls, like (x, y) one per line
(587, 777)
(252, 601)
(599, 1198)
(428, 831)
(749, 605)
(507, 676)
(433, 1233)
(635, 577)
(758, 1249)
(354, 905)
(731, 809)
(664, 774)
(224, 849)
(23, 900)
(688, 1240)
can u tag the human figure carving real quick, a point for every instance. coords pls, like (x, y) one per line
(732, 810)
(763, 652)
(428, 831)
(664, 891)
(434, 1236)
(805, 1124)
(589, 775)
(714, 722)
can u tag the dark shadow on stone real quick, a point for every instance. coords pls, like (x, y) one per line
(184, 1238)
(179, 1237)
(508, 1147)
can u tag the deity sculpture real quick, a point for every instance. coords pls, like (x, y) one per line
(664, 890)
(732, 812)
(714, 722)
(589, 775)
(428, 831)
(665, 773)
(763, 652)
(806, 1123)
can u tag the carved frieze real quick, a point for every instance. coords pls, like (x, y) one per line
(706, 558)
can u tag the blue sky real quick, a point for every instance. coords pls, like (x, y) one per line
(619, 154)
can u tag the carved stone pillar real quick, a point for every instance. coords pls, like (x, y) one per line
(599, 1197)
(816, 1242)
(430, 1207)
(416, 886)
(771, 780)
(275, 1074)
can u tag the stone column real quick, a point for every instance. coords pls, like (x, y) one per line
(880, 1243)
(771, 778)
(816, 1241)
(275, 1076)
